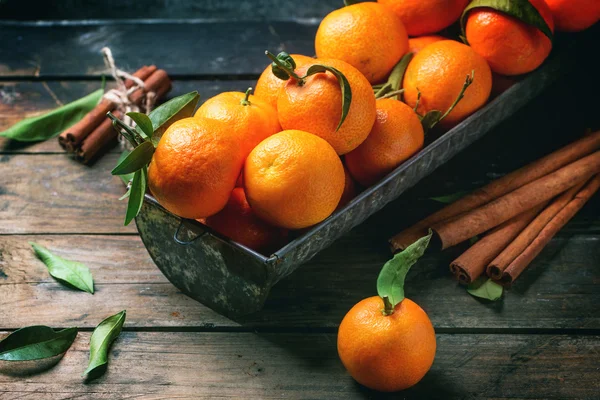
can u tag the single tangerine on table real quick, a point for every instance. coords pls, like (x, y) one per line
(293, 179)
(195, 166)
(313, 104)
(387, 342)
(417, 44)
(510, 46)
(422, 17)
(238, 222)
(574, 15)
(368, 36)
(438, 73)
(250, 118)
(268, 85)
(396, 136)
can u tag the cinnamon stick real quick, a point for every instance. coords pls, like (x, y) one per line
(500, 187)
(158, 80)
(72, 137)
(103, 137)
(471, 264)
(524, 198)
(520, 263)
(495, 268)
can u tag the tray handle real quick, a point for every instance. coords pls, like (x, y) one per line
(177, 234)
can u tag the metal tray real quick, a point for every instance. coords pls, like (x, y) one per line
(234, 280)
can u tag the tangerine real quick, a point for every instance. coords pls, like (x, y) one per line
(313, 104)
(574, 15)
(386, 352)
(422, 17)
(268, 85)
(417, 44)
(510, 46)
(239, 222)
(368, 36)
(438, 72)
(195, 166)
(293, 179)
(250, 118)
(396, 136)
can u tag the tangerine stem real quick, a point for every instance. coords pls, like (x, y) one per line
(246, 101)
(388, 307)
(132, 137)
(391, 94)
(467, 83)
(281, 65)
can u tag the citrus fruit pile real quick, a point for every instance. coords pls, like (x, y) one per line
(319, 129)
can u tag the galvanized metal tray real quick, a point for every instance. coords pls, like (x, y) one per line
(234, 280)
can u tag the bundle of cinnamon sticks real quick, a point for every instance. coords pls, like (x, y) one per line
(94, 134)
(519, 213)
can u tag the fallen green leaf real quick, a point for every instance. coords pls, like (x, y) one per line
(450, 198)
(35, 343)
(74, 273)
(390, 282)
(173, 110)
(136, 195)
(102, 337)
(136, 160)
(485, 288)
(51, 124)
(344, 86)
(520, 9)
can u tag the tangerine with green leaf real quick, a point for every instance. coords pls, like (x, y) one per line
(396, 136)
(387, 342)
(368, 36)
(510, 46)
(268, 85)
(328, 98)
(437, 75)
(248, 117)
(195, 166)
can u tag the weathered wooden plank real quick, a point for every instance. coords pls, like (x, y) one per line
(54, 193)
(197, 48)
(229, 9)
(268, 366)
(20, 100)
(558, 291)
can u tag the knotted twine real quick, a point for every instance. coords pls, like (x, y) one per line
(120, 95)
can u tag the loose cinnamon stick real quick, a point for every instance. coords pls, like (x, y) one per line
(524, 198)
(72, 137)
(520, 263)
(101, 138)
(500, 187)
(471, 264)
(495, 269)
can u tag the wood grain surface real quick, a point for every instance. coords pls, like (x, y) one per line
(154, 365)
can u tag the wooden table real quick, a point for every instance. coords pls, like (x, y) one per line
(540, 341)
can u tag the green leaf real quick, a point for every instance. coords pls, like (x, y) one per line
(35, 343)
(125, 177)
(397, 74)
(485, 288)
(450, 198)
(127, 193)
(344, 85)
(74, 273)
(104, 334)
(136, 160)
(144, 125)
(520, 9)
(390, 282)
(173, 110)
(136, 197)
(282, 63)
(430, 120)
(51, 124)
